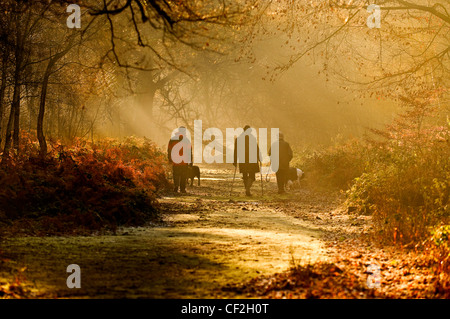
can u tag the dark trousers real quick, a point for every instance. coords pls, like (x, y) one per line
(282, 175)
(249, 178)
(179, 177)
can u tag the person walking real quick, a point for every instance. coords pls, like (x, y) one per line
(284, 157)
(247, 155)
(179, 152)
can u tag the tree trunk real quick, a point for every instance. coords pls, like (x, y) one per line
(16, 133)
(5, 65)
(15, 107)
(17, 90)
(3, 88)
(40, 120)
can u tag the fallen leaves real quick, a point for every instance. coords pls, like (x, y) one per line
(320, 280)
(404, 273)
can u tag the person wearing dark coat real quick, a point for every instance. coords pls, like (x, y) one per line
(248, 157)
(284, 157)
(180, 161)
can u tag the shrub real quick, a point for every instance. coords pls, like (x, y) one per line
(84, 186)
(400, 175)
(334, 167)
(438, 247)
(406, 186)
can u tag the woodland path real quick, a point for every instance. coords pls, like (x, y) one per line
(207, 240)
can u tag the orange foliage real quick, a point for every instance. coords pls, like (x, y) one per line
(84, 186)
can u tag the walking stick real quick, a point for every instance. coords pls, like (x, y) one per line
(232, 183)
(260, 172)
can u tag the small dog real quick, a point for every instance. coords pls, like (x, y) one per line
(294, 175)
(193, 171)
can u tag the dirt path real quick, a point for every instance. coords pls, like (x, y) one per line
(207, 240)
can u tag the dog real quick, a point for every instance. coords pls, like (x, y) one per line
(193, 171)
(294, 176)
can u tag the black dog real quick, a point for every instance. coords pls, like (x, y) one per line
(294, 175)
(193, 171)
